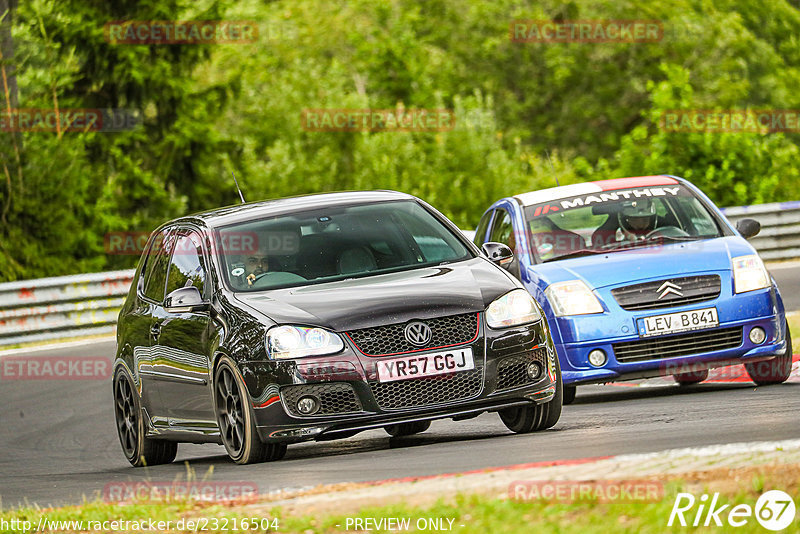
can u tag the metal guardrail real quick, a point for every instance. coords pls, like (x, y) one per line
(779, 238)
(60, 307)
(87, 304)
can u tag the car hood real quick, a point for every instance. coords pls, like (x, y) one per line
(630, 266)
(462, 287)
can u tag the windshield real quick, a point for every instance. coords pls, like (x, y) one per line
(617, 220)
(329, 244)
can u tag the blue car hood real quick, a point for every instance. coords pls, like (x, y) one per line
(630, 266)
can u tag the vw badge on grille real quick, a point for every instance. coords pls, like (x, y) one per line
(418, 333)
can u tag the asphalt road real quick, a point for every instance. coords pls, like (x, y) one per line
(58, 442)
(788, 277)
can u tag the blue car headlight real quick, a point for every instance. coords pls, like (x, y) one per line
(749, 273)
(287, 342)
(572, 298)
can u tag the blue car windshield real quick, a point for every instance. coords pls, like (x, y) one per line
(334, 243)
(617, 220)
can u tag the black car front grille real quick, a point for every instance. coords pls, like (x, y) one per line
(417, 392)
(446, 331)
(334, 398)
(681, 345)
(513, 371)
(689, 290)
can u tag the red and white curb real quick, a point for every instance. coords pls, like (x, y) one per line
(734, 374)
(496, 481)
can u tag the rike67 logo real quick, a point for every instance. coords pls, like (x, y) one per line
(774, 510)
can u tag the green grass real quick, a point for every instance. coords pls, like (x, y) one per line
(793, 320)
(476, 514)
(473, 513)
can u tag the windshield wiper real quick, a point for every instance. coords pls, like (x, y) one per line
(575, 254)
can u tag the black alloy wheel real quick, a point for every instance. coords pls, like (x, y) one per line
(236, 420)
(139, 449)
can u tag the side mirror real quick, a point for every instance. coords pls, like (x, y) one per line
(499, 253)
(748, 227)
(185, 299)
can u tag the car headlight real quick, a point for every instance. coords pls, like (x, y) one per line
(572, 298)
(514, 308)
(749, 274)
(285, 342)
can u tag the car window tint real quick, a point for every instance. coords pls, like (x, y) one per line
(158, 260)
(480, 231)
(187, 267)
(153, 243)
(697, 218)
(561, 227)
(503, 230)
(335, 243)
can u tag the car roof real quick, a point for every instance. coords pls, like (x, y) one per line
(269, 208)
(587, 188)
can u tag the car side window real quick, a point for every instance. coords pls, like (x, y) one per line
(503, 230)
(158, 256)
(187, 266)
(480, 231)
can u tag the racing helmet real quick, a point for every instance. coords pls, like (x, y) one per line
(638, 216)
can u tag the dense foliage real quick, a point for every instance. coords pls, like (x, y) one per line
(207, 110)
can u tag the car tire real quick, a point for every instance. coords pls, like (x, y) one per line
(138, 449)
(774, 371)
(691, 377)
(407, 429)
(569, 394)
(236, 419)
(525, 419)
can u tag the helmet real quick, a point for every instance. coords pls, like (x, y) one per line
(638, 216)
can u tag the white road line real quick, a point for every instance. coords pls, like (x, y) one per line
(56, 346)
(783, 265)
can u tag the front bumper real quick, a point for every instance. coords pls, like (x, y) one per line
(738, 315)
(354, 400)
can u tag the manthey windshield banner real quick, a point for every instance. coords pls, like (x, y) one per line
(603, 197)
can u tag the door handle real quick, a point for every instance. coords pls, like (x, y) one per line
(155, 330)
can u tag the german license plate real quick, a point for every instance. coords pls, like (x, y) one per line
(431, 364)
(672, 323)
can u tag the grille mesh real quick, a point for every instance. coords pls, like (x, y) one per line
(681, 345)
(512, 371)
(450, 330)
(427, 391)
(645, 296)
(334, 398)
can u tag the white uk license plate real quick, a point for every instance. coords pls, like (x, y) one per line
(672, 323)
(431, 364)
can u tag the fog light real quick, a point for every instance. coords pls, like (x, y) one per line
(534, 371)
(757, 335)
(597, 358)
(307, 405)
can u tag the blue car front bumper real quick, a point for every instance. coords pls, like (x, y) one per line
(616, 333)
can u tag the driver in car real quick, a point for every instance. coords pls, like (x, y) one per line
(255, 265)
(637, 218)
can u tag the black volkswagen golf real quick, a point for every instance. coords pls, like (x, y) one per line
(317, 317)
